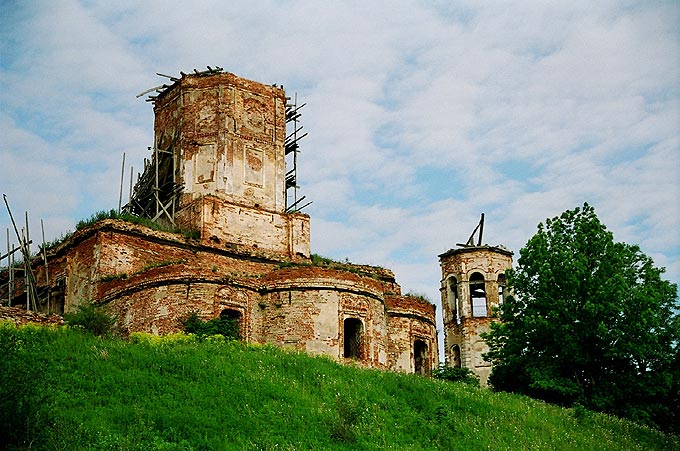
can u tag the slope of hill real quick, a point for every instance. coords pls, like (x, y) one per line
(62, 389)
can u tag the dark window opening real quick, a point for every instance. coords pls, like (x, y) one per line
(420, 357)
(478, 295)
(453, 299)
(230, 314)
(455, 356)
(352, 333)
(58, 296)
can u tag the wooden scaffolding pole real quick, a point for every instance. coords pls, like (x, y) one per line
(47, 272)
(10, 271)
(31, 285)
(27, 267)
(122, 176)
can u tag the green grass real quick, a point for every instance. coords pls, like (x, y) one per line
(65, 390)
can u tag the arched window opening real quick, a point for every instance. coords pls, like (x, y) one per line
(453, 299)
(501, 288)
(455, 356)
(229, 324)
(353, 330)
(478, 295)
(420, 357)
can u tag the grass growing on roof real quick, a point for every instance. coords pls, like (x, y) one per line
(123, 216)
(134, 219)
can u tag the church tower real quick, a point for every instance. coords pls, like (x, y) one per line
(473, 284)
(220, 164)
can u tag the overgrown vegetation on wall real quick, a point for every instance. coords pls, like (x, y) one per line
(134, 219)
(346, 265)
(421, 296)
(91, 318)
(122, 216)
(223, 325)
(65, 390)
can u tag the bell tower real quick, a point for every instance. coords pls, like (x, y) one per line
(472, 285)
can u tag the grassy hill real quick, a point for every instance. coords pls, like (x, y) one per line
(61, 389)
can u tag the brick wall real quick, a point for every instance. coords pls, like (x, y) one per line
(410, 319)
(227, 225)
(222, 138)
(306, 308)
(229, 132)
(152, 280)
(20, 316)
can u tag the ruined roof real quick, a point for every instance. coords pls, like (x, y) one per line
(461, 250)
(162, 89)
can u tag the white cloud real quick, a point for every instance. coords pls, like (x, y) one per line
(420, 116)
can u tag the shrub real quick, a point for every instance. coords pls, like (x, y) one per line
(318, 260)
(449, 373)
(224, 325)
(91, 318)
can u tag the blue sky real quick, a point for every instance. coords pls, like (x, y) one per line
(421, 115)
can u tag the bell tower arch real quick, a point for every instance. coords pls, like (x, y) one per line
(473, 283)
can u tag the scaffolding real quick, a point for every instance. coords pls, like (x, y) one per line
(292, 148)
(156, 193)
(35, 296)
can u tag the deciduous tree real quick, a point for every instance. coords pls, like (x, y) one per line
(590, 321)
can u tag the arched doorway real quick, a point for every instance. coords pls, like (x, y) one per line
(230, 323)
(455, 356)
(352, 332)
(421, 358)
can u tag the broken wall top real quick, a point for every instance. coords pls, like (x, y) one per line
(463, 250)
(227, 135)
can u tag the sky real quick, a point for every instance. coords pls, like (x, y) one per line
(421, 115)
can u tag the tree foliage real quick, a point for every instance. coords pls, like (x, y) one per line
(590, 321)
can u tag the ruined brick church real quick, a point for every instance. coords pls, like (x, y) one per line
(221, 167)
